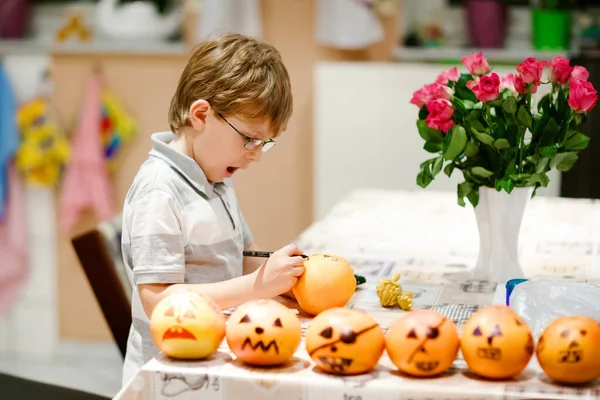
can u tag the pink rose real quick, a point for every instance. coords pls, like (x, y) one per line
(486, 88)
(521, 86)
(448, 75)
(579, 74)
(531, 70)
(507, 81)
(582, 96)
(476, 64)
(440, 114)
(429, 92)
(559, 70)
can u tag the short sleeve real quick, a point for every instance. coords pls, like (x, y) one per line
(156, 240)
(246, 232)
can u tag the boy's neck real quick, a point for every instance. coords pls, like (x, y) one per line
(180, 144)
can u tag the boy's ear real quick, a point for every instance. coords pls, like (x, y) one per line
(198, 113)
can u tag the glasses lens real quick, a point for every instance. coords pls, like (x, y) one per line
(253, 144)
(267, 146)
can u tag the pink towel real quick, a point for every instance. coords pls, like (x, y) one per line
(86, 182)
(14, 265)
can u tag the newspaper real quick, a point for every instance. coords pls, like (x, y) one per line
(432, 243)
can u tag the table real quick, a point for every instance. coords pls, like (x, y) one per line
(432, 242)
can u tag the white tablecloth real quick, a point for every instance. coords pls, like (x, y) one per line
(432, 242)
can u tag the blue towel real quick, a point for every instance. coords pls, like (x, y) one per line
(9, 134)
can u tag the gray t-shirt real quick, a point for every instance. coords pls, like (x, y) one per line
(177, 228)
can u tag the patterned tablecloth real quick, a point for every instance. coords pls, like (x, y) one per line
(432, 242)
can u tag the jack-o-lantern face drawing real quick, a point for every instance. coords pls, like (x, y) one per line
(344, 341)
(568, 350)
(263, 332)
(422, 343)
(496, 342)
(188, 326)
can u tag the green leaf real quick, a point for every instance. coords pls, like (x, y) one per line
(510, 105)
(469, 105)
(437, 165)
(500, 131)
(577, 142)
(472, 148)
(544, 105)
(564, 161)
(433, 147)
(540, 178)
(424, 178)
(455, 142)
(473, 197)
(520, 177)
(507, 184)
(462, 190)
(423, 113)
(541, 166)
(448, 169)
(429, 134)
(524, 117)
(461, 90)
(548, 151)
(550, 133)
(483, 137)
(501, 144)
(481, 172)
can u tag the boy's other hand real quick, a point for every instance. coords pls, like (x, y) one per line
(281, 271)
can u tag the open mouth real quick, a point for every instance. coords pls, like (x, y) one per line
(260, 345)
(178, 332)
(335, 364)
(231, 170)
(427, 366)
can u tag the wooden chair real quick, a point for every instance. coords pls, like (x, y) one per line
(99, 252)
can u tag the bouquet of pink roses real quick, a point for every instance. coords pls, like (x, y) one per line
(488, 127)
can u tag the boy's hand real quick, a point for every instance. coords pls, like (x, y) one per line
(280, 272)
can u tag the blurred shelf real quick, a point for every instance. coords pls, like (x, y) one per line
(37, 47)
(453, 54)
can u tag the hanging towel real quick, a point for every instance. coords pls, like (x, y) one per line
(347, 24)
(13, 243)
(86, 183)
(9, 135)
(218, 17)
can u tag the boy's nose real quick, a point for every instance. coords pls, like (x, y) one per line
(255, 155)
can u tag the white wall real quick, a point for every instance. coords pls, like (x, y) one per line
(365, 130)
(31, 325)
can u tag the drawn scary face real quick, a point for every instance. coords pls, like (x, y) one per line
(344, 341)
(188, 326)
(422, 343)
(568, 350)
(263, 332)
(496, 343)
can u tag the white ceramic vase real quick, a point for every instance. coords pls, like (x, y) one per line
(139, 20)
(499, 216)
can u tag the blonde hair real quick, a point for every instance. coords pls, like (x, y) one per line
(238, 76)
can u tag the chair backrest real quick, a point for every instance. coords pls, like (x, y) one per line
(99, 252)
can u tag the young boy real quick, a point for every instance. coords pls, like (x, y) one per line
(182, 226)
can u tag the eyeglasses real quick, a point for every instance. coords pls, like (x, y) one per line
(252, 143)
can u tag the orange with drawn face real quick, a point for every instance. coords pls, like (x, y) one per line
(263, 332)
(568, 350)
(344, 341)
(496, 342)
(188, 326)
(422, 343)
(327, 282)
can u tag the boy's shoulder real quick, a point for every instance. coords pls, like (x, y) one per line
(153, 174)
